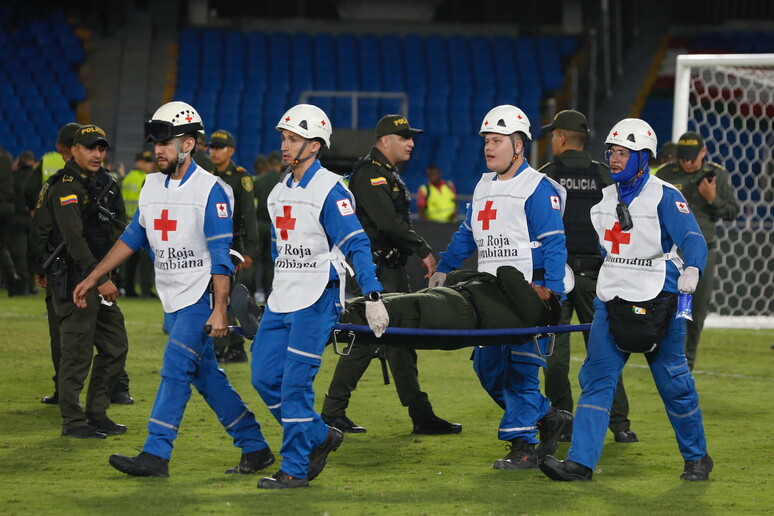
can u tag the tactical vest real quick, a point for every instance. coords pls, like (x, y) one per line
(440, 203)
(584, 190)
(97, 227)
(402, 202)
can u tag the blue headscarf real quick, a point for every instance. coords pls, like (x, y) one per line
(632, 177)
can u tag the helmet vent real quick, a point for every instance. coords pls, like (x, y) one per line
(303, 125)
(501, 123)
(631, 138)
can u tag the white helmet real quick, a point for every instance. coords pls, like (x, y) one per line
(505, 119)
(172, 119)
(634, 134)
(307, 121)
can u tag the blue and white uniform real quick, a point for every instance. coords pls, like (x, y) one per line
(515, 222)
(187, 225)
(638, 265)
(313, 228)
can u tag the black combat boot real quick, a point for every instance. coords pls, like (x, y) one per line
(143, 465)
(521, 456)
(253, 462)
(551, 427)
(281, 480)
(697, 470)
(319, 456)
(564, 470)
(344, 424)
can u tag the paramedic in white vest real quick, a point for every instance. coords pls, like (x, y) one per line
(515, 219)
(313, 228)
(184, 217)
(640, 265)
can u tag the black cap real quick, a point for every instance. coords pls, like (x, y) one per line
(144, 156)
(89, 135)
(27, 154)
(221, 138)
(569, 120)
(689, 145)
(66, 133)
(395, 124)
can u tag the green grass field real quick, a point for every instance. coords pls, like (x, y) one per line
(387, 470)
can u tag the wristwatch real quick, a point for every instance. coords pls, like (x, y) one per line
(373, 296)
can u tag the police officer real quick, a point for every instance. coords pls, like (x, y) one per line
(245, 227)
(437, 199)
(583, 178)
(7, 208)
(264, 183)
(707, 188)
(50, 163)
(382, 206)
(83, 200)
(20, 223)
(140, 261)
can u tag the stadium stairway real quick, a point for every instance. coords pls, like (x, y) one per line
(132, 63)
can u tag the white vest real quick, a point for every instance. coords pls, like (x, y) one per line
(499, 221)
(173, 219)
(302, 267)
(635, 265)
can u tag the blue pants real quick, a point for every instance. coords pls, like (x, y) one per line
(287, 353)
(509, 373)
(599, 376)
(189, 358)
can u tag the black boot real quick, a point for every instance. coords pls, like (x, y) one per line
(235, 355)
(697, 470)
(564, 470)
(143, 465)
(551, 427)
(431, 424)
(51, 400)
(521, 456)
(122, 397)
(84, 432)
(106, 426)
(319, 456)
(344, 424)
(253, 462)
(281, 480)
(625, 436)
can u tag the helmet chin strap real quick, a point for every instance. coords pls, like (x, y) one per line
(298, 159)
(181, 157)
(514, 159)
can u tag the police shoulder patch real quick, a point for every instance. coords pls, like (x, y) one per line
(247, 183)
(376, 181)
(67, 178)
(68, 199)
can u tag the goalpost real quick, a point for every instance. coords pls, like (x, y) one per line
(729, 100)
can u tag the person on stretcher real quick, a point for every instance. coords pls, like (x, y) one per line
(469, 300)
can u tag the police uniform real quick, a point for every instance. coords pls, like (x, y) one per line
(639, 266)
(468, 300)
(313, 228)
(88, 236)
(20, 229)
(7, 209)
(383, 203)
(139, 262)
(515, 222)
(725, 207)
(584, 179)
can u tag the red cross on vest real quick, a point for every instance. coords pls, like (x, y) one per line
(285, 222)
(487, 214)
(617, 237)
(165, 225)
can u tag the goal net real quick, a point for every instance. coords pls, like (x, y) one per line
(729, 100)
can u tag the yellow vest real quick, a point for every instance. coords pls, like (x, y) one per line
(130, 191)
(51, 163)
(441, 204)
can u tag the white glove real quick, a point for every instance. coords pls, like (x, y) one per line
(437, 279)
(377, 317)
(687, 281)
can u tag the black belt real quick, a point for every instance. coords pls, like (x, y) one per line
(334, 283)
(472, 301)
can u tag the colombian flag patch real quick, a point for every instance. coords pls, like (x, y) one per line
(376, 181)
(69, 199)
